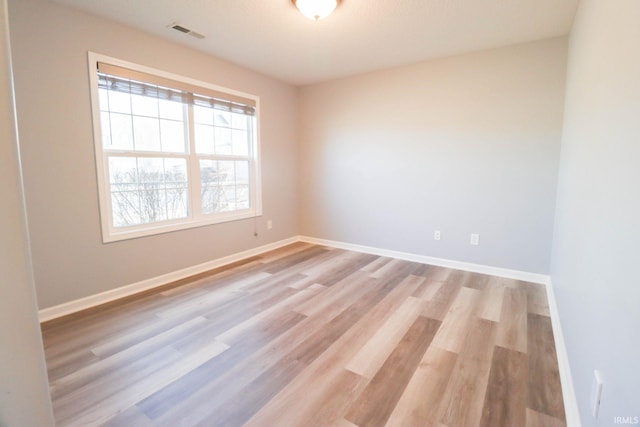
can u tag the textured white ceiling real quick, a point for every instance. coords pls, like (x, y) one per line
(272, 37)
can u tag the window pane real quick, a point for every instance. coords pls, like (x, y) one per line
(105, 126)
(172, 134)
(242, 197)
(204, 139)
(211, 199)
(175, 175)
(209, 172)
(123, 170)
(222, 118)
(144, 105)
(212, 196)
(177, 203)
(119, 102)
(150, 173)
(152, 206)
(103, 99)
(240, 143)
(148, 189)
(238, 121)
(223, 141)
(228, 198)
(175, 172)
(203, 115)
(225, 185)
(171, 110)
(242, 172)
(121, 132)
(227, 172)
(125, 206)
(147, 133)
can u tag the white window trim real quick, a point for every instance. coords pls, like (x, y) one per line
(113, 234)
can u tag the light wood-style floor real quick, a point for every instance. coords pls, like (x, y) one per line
(311, 336)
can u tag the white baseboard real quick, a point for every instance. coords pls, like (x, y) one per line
(441, 262)
(568, 392)
(70, 307)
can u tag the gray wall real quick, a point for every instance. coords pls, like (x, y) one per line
(24, 392)
(50, 44)
(595, 250)
(467, 144)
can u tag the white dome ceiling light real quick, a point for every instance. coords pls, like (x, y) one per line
(316, 9)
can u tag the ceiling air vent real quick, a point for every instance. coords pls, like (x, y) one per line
(186, 30)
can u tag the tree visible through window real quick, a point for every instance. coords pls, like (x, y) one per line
(172, 154)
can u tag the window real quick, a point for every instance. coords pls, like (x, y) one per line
(171, 152)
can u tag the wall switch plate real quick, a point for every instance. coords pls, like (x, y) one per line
(436, 235)
(269, 224)
(475, 239)
(596, 393)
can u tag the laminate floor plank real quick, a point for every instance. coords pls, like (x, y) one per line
(261, 322)
(428, 289)
(229, 316)
(89, 330)
(544, 391)
(387, 268)
(436, 273)
(332, 276)
(369, 359)
(377, 401)
(216, 276)
(512, 328)
(147, 333)
(342, 294)
(124, 359)
(477, 281)
(70, 407)
(343, 423)
(112, 405)
(506, 397)
(132, 417)
(332, 401)
(68, 363)
(284, 251)
(491, 303)
(464, 395)
(375, 265)
(330, 263)
(536, 419)
(536, 298)
(206, 375)
(210, 300)
(294, 260)
(460, 314)
(237, 408)
(442, 299)
(311, 336)
(419, 403)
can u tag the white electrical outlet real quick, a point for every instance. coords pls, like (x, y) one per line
(436, 235)
(269, 224)
(596, 393)
(475, 239)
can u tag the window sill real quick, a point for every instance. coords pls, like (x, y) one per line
(134, 232)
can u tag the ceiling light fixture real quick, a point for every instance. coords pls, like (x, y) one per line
(316, 9)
